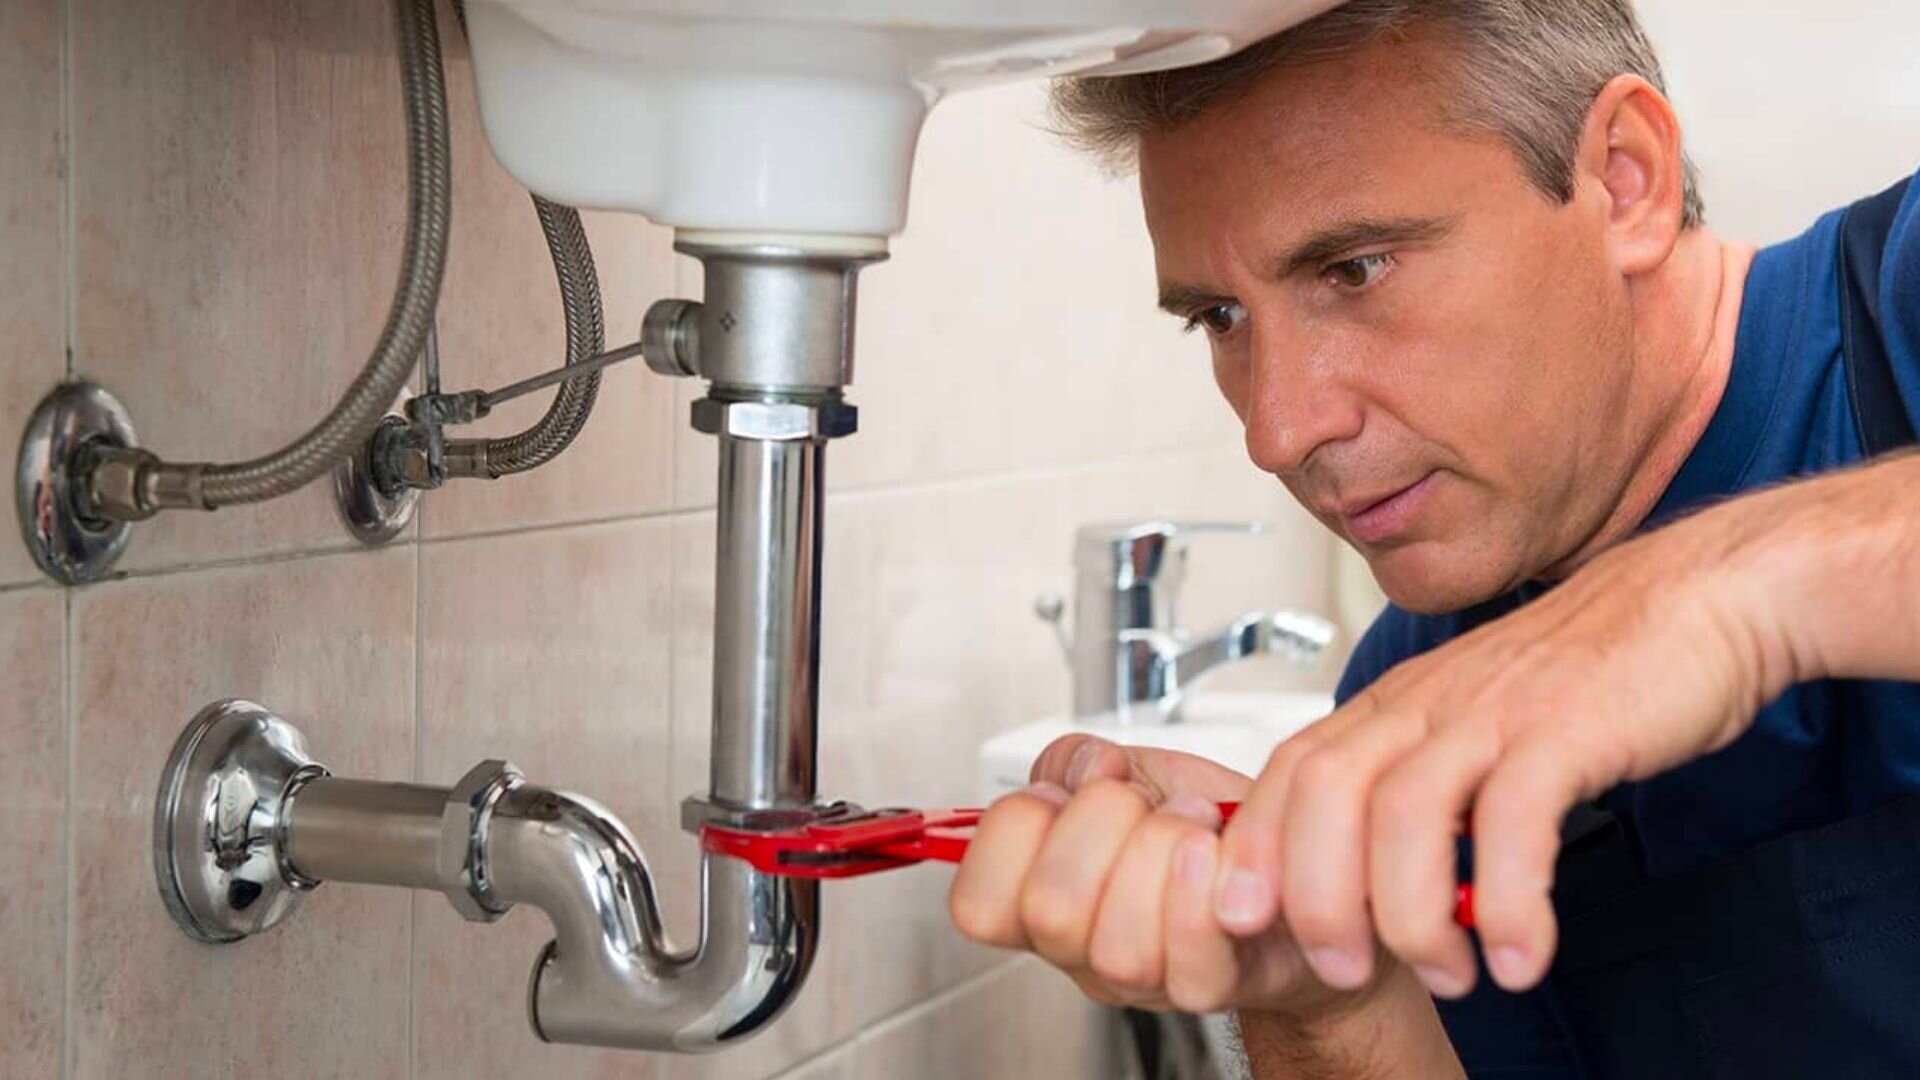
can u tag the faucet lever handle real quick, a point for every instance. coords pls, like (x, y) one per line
(1240, 528)
(1115, 533)
(1146, 556)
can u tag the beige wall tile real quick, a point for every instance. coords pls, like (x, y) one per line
(501, 320)
(550, 650)
(239, 190)
(1023, 1021)
(33, 743)
(1016, 326)
(33, 295)
(327, 642)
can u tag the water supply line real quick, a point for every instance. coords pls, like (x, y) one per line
(438, 459)
(410, 454)
(123, 484)
(586, 338)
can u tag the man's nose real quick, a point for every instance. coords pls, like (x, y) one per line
(1296, 404)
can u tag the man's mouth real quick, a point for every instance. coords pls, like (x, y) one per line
(1378, 520)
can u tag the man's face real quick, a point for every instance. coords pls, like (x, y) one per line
(1433, 355)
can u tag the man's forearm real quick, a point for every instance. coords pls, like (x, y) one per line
(1834, 571)
(1393, 1034)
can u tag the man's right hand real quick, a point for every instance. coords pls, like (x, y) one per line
(1104, 867)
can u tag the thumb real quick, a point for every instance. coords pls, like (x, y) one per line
(1073, 761)
(1176, 772)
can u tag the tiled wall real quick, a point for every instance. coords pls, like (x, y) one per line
(202, 202)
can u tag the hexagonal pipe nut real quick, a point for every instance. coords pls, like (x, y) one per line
(463, 821)
(774, 421)
(114, 476)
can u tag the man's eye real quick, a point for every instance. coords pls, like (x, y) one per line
(1361, 272)
(1218, 320)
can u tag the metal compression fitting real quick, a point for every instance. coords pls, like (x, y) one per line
(129, 485)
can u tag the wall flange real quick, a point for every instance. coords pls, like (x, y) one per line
(218, 818)
(372, 514)
(68, 545)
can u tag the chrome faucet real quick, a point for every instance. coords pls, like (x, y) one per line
(1131, 661)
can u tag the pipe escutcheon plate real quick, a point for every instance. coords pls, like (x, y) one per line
(69, 547)
(218, 821)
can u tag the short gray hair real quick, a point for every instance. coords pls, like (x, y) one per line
(1527, 72)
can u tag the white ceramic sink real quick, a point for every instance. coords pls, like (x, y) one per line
(1236, 730)
(789, 116)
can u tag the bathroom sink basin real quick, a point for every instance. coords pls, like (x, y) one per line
(1238, 730)
(777, 116)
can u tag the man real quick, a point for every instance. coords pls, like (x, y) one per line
(1453, 268)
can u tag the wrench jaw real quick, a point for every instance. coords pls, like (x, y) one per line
(844, 840)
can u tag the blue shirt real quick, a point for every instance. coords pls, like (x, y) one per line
(1823, 751)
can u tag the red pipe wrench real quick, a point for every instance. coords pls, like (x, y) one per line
(844, 840)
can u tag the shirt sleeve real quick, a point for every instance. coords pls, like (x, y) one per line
(1369, 660)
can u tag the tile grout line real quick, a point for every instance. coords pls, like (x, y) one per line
(273, 558)
(69, 263)
(545, 526)
(910, 1013)
(70, 945)
(69, 230)
(419, 706)
(673, 625)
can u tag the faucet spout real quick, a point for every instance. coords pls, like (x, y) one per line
(1156, 669)
(1299, 637)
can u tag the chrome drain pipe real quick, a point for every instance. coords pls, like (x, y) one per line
(246, 822)
(759, 933)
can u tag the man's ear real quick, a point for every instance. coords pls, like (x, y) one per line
(1630, 150)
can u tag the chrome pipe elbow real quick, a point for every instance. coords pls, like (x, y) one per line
(611, 977)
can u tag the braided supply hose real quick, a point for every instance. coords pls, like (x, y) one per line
(586, 337)
(136, 484)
